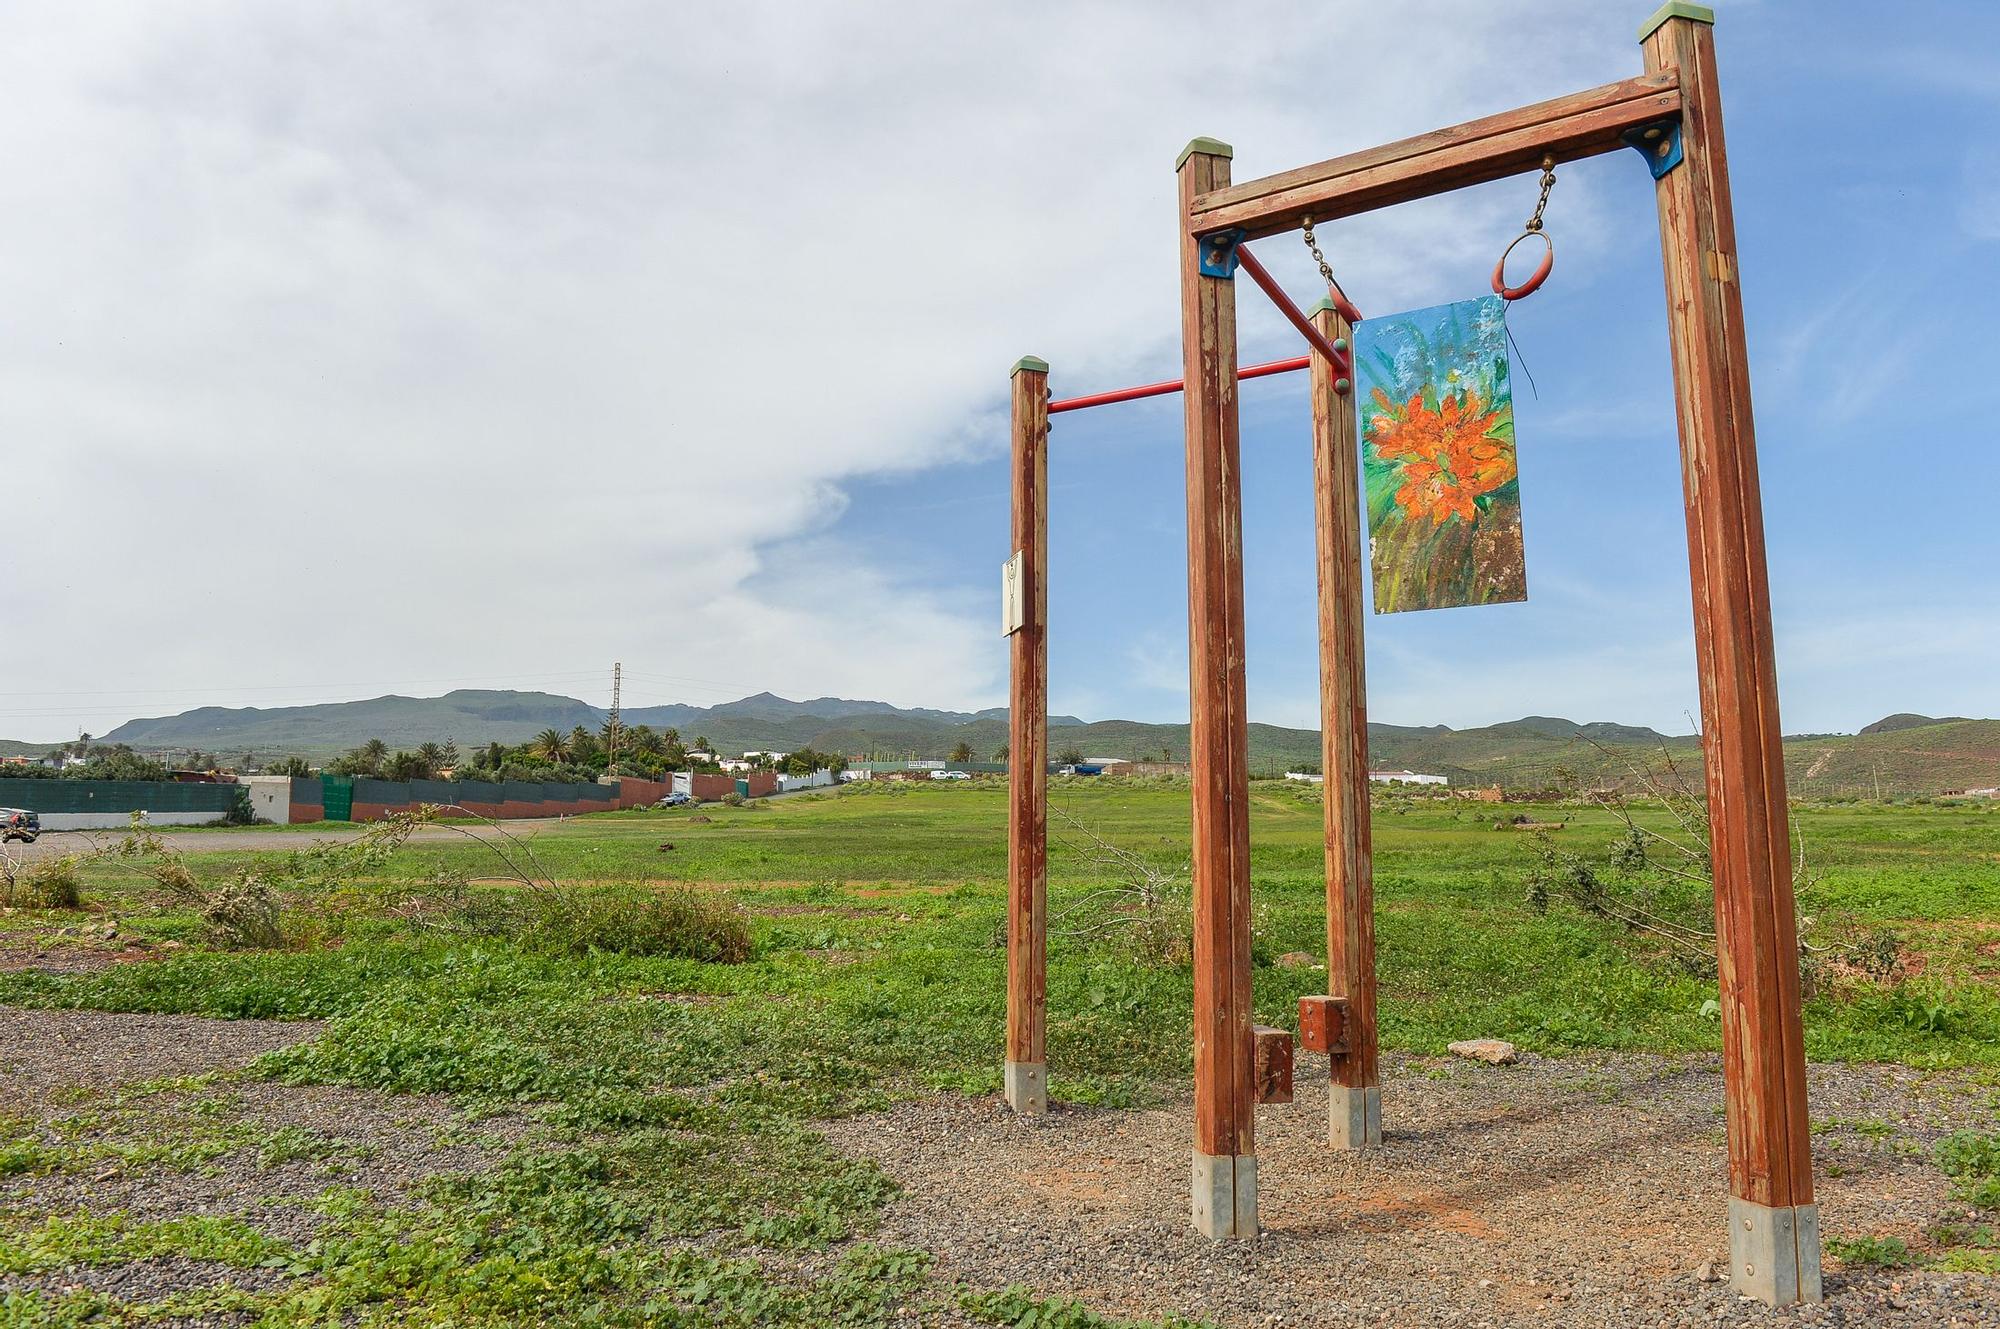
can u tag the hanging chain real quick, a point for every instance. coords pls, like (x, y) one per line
(1325, 268)
(1548, 182)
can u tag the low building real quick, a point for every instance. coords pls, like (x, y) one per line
(1405, 777)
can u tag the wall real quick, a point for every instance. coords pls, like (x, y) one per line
(270, 796)
(79, 805)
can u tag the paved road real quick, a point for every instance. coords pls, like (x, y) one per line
(250, 839)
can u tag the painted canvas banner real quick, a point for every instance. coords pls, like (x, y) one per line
(1437, 456)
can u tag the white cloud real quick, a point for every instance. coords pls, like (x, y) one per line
(447, 340)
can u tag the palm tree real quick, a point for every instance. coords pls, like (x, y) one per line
(372, 754)
(646, 739)
(701, 745)
(1000, 753)
(963, 752)
(431, 757)
(551, 746)
(583, 744)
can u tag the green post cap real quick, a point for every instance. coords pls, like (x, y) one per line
(1675, 9)
(1325, 305)
(1034, 362)
(1214, 147)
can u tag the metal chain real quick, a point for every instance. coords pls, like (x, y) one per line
(1548, 182)
(1325, 268)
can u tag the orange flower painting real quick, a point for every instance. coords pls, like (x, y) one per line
(1437, 450)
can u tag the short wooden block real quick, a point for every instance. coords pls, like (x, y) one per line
(1271, 1069)
(1323, 1024)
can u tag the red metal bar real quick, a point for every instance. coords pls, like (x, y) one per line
(1172, 385)
(1338, 359)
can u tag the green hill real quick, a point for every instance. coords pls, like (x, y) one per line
(1901, 755)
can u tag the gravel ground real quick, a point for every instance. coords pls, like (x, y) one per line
(44, 1051)
(54, 1064)
(1586, 1191)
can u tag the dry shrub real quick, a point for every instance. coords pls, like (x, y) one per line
(48, 883)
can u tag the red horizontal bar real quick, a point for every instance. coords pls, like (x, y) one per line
(1173, 385)
(1258, 273)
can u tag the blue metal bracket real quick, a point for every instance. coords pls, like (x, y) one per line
(1218, 253)
(1659, 143)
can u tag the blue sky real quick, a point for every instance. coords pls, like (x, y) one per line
(1869, 244)
(688, 348)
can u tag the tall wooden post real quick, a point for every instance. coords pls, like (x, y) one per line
(1354, 1118)
(1225, 1163)
(1027, 1080)
(1773, 1223)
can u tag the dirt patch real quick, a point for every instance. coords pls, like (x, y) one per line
(67, 958)
(1574, 1192)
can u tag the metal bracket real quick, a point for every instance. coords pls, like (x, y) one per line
(1659, 143)
(1218, 253)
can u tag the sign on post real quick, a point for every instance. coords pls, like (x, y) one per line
(1013, 610)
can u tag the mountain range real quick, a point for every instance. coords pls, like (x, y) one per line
(1900, 754)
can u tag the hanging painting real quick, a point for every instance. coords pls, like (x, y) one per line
(1437, 454)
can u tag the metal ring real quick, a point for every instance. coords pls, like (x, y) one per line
(1534, 283)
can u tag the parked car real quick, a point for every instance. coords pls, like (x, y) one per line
(951, 775)
(19, 824)
(674, 800)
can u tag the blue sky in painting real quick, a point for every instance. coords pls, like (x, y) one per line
(1867, 186)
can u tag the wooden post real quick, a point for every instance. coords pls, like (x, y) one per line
(1225, 1163)
(1027, 1081)
(1354, 1119)
(1773, 1223)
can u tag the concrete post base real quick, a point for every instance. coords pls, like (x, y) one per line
(1027, 1085)
(1774, 1252)
(1225, 1195)
(1354, 1117)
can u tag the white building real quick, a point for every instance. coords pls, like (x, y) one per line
(1405, 777)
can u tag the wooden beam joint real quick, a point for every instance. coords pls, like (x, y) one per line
(1323, 1025)
(1583, 124)
(1271, 1067)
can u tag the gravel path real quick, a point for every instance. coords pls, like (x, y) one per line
(1585, 1191)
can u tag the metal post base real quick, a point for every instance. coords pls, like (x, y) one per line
(1225, 1195)
(1027, 1085)
(1354, 1117)
(1774, 1252)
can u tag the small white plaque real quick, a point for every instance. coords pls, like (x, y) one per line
(1013, 610)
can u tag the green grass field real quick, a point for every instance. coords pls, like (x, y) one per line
(877, 970)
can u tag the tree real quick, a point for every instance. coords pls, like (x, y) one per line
(430, 756)
(1166, 752)
(1069, 757)
(671, 737)
(551, 746)
(1000, 753)
(701, 745)
(648, 740)
(405, 766)
(963, 752)
(372, 753)
(583, 745)
(495, 756)
(296, 767)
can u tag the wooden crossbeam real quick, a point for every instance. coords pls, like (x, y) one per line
(1583, 124)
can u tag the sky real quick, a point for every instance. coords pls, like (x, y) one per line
(359, 349)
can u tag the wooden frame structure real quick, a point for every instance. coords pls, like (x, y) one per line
(1673, 114)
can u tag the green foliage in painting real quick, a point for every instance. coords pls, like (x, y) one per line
(1437, 454)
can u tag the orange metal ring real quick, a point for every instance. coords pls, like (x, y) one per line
(1534, 283)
